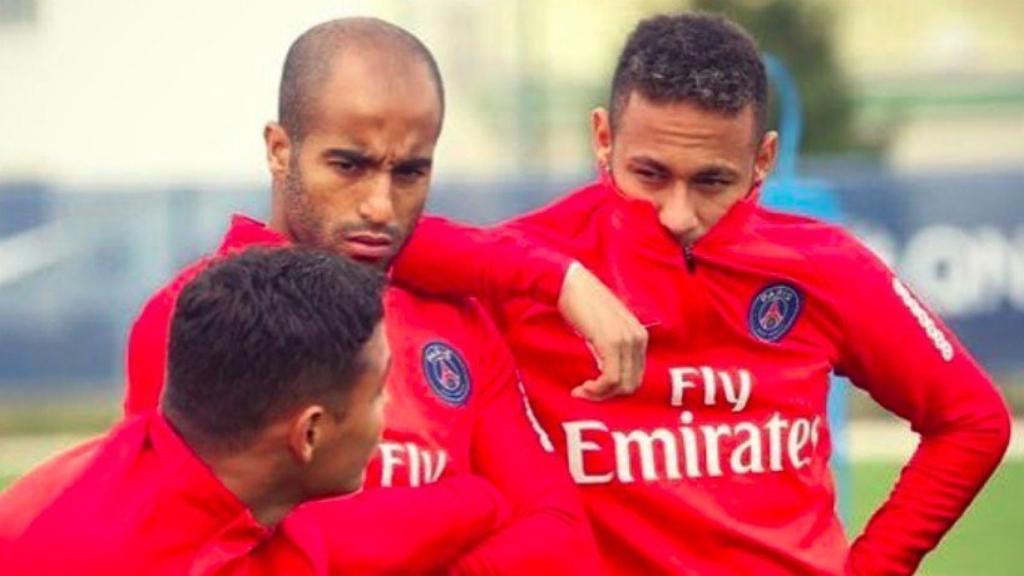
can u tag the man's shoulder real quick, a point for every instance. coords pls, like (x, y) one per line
(34, 493)
(822, 242)
(119, 511)
(51, 488)
(812, 253)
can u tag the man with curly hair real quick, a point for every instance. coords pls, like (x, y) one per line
(719, 463)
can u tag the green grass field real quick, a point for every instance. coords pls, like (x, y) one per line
(987, 541)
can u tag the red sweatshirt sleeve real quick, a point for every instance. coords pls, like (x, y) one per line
(908, 361)
(446, 258)
(548, 533)
(396, 530)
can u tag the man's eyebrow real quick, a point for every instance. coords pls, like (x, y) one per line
(353, 156)
(419, 163)
(648, 161)
(719, 171)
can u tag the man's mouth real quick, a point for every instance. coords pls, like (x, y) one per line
(368, 246)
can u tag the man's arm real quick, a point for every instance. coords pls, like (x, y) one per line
(548, 532)
(420, 530)
(500, 264)
(448, 258)
(526, 256)
(909, 362)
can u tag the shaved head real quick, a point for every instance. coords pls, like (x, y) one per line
(312, 57)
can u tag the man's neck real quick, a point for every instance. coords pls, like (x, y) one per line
(278, 222)
(255, 479)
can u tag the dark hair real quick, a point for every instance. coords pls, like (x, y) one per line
(308, 63)
(697, 58)
(256, 335)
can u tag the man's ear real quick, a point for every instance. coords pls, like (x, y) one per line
(279, 148)
(767, 152)
(601, 136)
(306, 433)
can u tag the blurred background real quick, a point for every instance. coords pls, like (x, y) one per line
(132, 130)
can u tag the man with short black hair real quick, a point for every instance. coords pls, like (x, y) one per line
(275, 397)
(360, 112)
(719, 464)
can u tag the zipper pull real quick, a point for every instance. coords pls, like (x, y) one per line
(691, 263)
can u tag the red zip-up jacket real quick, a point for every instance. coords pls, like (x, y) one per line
(455, 407)
(139, 501)
(719, 463)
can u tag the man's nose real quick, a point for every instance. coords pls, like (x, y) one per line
(678, 213)
(377, 207)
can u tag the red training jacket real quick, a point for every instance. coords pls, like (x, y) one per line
(719, 463)
(455, 408)
(139, 501)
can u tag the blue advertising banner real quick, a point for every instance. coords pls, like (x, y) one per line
(958, 240)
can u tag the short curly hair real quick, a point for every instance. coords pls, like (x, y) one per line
(692, 57)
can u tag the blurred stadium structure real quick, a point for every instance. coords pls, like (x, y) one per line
(132, 131)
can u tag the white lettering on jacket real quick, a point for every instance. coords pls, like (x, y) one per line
(924, 320)
(694, 449)
(420, 466)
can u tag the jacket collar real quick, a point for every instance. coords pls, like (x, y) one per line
(191, 480)
(244, 232)
(210, 507)
(639, 220)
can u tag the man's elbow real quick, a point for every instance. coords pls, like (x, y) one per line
(1002, 430)
(993, 425)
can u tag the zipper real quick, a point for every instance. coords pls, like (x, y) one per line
(691, 263)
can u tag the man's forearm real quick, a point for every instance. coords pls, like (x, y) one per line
(450, 259)
(935, 488)
(406, 530)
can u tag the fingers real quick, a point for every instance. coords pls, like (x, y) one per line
(630, 350)
(638, 352)
(622, 360)
(628, 379)
(615, 337)
(596, 390)
(609, 357)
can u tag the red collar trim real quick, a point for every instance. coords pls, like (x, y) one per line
(642, 216)
(244, 232)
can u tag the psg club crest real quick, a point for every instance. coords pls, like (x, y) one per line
(446, 373)
(774, 311)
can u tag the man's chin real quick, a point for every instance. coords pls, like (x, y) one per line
(381, 264)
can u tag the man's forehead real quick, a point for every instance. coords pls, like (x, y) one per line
(688, 123)
(377, 65)
(689, 141)
(370, 122)
(368, 102)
